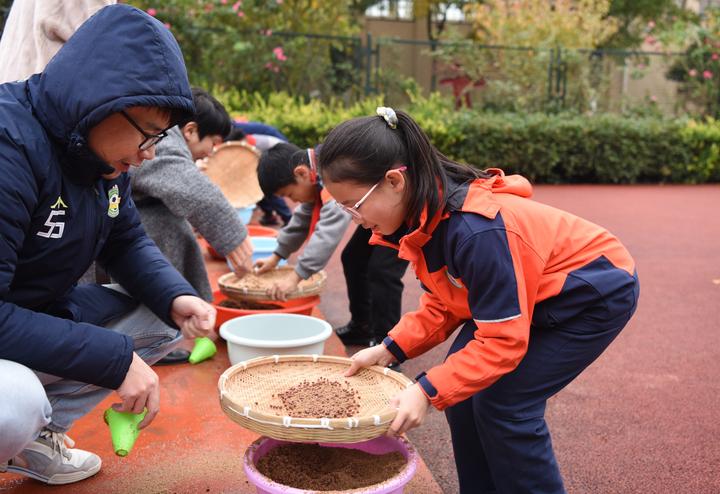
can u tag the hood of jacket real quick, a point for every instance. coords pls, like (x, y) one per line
(119, 58)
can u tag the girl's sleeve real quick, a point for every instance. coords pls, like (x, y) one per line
(493, 266)
(419, 331)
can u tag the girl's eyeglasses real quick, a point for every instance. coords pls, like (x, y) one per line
(150, 139)
(353, 211)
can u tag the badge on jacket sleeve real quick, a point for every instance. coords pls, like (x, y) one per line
(114, 202)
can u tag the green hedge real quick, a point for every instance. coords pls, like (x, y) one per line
(545, 148)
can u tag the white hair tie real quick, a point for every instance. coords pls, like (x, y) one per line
(388, 114)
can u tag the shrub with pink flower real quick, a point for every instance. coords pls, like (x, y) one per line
(243, 35)
(707, 74)
(279, 54)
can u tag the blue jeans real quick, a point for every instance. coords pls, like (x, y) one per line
(500, 438)
(271, 203)
(42, 400)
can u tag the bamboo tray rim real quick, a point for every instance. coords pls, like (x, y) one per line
(313, 288)
(346, 429)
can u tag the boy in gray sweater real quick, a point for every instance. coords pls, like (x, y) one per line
(173, 196)
(288, 171)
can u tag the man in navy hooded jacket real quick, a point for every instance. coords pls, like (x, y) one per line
(67, 137)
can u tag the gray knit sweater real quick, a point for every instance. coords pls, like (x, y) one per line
(328, 233)
(173, 196)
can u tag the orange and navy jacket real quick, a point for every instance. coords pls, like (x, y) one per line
(508, 263)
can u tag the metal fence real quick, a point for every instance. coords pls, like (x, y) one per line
(537, 79)
(495, 77)
(492, 77)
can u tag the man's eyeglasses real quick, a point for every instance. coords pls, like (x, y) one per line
(353, 211)
(150, 139)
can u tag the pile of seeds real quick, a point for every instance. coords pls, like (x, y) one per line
(247, 305)
(320, 468)
(321, 398)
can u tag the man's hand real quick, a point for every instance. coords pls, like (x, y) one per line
(280, 288)
(240, 259)
(139, 390)
(412, 408)
(193, 315)
(375, 355)
(266, 264)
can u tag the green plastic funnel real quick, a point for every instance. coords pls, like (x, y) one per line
(203, 350)
(123, 429)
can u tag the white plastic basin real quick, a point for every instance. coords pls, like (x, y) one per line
(259, 335)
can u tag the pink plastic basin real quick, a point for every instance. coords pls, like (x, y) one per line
(378, 446)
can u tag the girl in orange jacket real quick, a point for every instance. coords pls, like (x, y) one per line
(537, 292)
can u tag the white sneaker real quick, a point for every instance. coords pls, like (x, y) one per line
(48, 460)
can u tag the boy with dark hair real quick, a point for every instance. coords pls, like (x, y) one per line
(276, 168)
(288, 171)
(211, 118)
(173, 196)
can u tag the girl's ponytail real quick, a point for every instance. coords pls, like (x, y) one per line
(430, 168)
(424, 168)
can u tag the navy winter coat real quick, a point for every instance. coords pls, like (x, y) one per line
(57, 215)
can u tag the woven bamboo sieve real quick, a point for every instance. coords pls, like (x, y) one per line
(233, 168)
(248, 389)
(244, 288)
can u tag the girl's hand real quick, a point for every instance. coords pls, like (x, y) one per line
(375, 355)
(281, 288)
(412, 408)
(266, 264)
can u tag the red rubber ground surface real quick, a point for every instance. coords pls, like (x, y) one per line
(644, 418)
